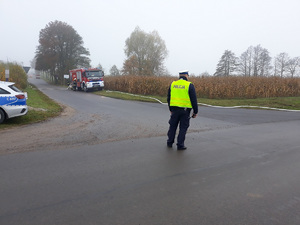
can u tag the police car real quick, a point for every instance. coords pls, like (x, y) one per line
(12, 101)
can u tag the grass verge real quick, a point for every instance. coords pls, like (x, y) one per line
(41, 107)
(292, 103)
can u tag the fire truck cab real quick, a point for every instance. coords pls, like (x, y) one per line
(87, 79)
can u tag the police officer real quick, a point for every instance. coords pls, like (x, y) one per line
(181, 100)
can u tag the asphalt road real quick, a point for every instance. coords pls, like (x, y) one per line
(241, 167)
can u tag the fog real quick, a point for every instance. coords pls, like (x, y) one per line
(196, 32)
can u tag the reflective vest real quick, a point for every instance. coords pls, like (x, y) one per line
(180, 94)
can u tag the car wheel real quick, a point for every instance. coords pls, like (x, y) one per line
(2, 116)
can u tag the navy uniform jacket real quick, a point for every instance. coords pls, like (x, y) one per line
(193, 98)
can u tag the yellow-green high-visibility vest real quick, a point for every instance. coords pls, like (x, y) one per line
(180, 94)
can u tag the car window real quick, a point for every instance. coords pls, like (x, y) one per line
(3, 92)
(14, 88)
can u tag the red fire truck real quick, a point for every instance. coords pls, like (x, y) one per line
(87, 79)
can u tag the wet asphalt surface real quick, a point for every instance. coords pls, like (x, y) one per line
(241, 167)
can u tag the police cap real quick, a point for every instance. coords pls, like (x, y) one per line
(184, 72)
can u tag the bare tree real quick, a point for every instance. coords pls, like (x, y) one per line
(204, 74)
(261, 61)
(255, 61)
(245, 62)
(281, 63)
(227, 64)
(264, 63)
(293, 65)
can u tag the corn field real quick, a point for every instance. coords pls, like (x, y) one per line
(209, 87)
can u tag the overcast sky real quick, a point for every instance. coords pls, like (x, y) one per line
(196, 32)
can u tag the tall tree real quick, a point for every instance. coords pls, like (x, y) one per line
(145, 53)
(100, 67)
(293, 65)
(264, 62)
(130, 66)
(60, 49)
(114, 71)
(281, 62)
(255, 61)
(227, 64)
(245, 62)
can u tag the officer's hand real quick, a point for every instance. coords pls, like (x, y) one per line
(194, 115)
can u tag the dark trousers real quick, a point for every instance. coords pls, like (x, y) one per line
(181, 117)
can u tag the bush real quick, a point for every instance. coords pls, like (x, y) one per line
(2, 71)
(16, 74)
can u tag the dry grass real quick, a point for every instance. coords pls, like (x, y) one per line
(210, 87)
